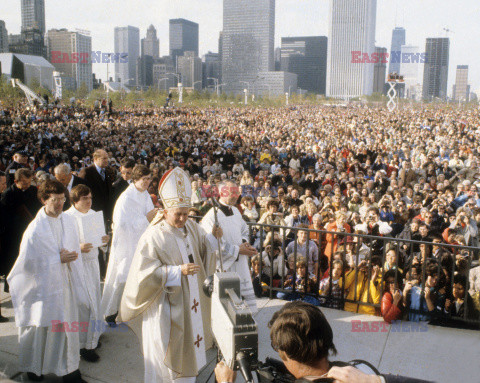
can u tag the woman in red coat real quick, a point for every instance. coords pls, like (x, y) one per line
(392, 305)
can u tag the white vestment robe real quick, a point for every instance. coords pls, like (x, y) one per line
(174, 312)
(92, 315)
(44, 298)
(129, 223)
(235, 231)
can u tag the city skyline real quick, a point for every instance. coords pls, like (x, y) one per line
(308, 18)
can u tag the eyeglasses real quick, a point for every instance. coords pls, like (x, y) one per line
(54, 200)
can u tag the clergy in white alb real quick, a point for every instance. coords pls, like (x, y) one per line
(163, 294)
(47, 285)
(132, 213)
(235, 232)
(81, 199)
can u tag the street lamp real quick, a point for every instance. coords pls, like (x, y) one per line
(220, 85)
(179, 86)
(161, 79)
(216, 84)
(193, 86)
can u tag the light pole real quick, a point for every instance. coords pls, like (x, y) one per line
(220, 85)
(161, 79)
(179, 87)
(216, 84)
(246, 96)
(196, 82)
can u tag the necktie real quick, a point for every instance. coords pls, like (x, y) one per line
(102, 174)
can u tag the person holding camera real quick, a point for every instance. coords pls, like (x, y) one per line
(465, 225)
(303, 338)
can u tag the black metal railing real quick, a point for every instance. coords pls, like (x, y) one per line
(365, 258)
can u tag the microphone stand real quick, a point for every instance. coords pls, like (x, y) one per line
(215, 213)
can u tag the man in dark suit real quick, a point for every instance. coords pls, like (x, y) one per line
(122, 182)
(19, 207)
(64, 175)
(99, 179)
(20, 160)
(3, 186)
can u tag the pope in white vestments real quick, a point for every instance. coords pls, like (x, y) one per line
(235, 232)
(132, 213)
(47, 285)
(163, 294)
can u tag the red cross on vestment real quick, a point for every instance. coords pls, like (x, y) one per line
(195, 305)
(197, 342)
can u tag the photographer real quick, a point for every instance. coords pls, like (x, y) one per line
(303, 338)
(465, 225)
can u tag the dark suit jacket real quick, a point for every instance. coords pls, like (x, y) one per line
(118, 187)
(101, 190)
(76, 181)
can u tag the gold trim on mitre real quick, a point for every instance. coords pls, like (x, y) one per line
(175, 189)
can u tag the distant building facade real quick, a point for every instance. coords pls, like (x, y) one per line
(307, 58)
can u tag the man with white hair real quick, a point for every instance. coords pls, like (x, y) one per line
(64, 174)
(163, 295)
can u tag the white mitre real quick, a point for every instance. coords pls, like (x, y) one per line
(175, 189)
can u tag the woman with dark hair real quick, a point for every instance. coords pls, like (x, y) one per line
(461, 306)
(392, 305)
(133, 212)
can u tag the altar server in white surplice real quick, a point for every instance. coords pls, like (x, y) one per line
(132, 213)
(163, 294)
(47, 285)
(81, 199)
(235, 232)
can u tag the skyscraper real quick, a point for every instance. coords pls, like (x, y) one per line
(247, 42)
(162, 73)
(151, 44)
(351, 29)
(183, 36)
(211, 68)
(67, 43)
(189, 66)
(3, 37)
(412, 71)
(461, 87)
(307, 57)
(398, 39)
(379, 71)
(435, 75)
(33, 15)
(127, 40)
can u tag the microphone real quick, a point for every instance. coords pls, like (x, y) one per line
(244, 365)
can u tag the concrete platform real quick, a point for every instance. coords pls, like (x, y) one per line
(438, 354)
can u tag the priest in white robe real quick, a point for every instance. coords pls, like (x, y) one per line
(90, 317)
(163, 295)
(132, 213)
(235, 232)
(42, 288)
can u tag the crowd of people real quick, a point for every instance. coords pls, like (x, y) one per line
(329, 199)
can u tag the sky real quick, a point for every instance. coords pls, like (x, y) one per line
(420, 18)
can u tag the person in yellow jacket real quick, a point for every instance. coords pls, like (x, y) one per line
(366, 290)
